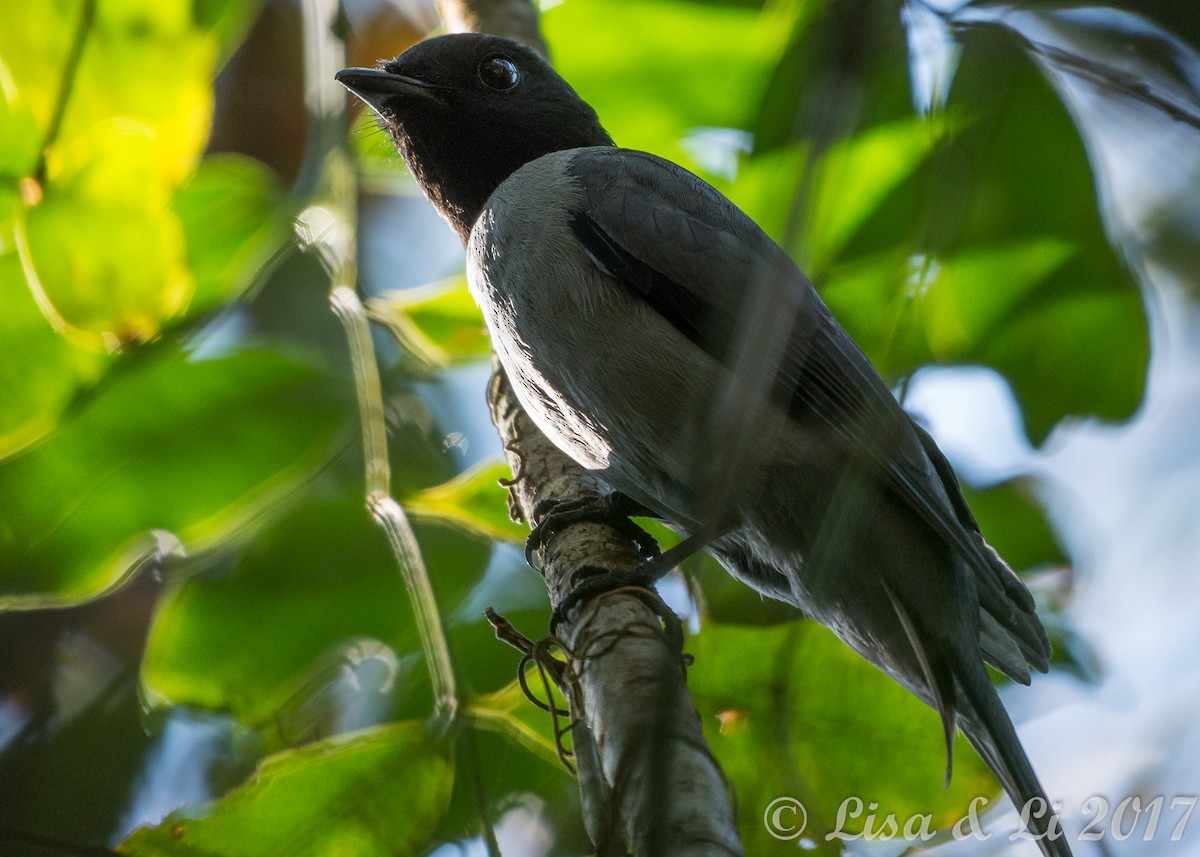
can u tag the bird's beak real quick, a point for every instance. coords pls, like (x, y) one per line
(375, 86)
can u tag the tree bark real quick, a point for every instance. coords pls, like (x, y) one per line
(513, 19)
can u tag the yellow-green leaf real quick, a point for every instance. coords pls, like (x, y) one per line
(439, 324)
(509, 712)
(474, 499)
(858, 173)
(103, 250)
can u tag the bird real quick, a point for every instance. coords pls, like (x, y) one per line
(661, 339)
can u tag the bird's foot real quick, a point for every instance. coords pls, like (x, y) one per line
(597, 582)
(636, 582)
(613, 510)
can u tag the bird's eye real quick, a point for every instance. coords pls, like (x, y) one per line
(499, 73)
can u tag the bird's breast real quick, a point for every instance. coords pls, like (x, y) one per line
(593, 365)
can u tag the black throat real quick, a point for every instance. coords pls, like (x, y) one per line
(459, 161)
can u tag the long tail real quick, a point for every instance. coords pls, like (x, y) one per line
(990, 731)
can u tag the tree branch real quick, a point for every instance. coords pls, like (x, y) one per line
(656, 775)
(513, 19)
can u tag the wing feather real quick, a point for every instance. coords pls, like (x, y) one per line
(695, 257)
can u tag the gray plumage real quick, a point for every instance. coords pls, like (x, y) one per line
(664, 341)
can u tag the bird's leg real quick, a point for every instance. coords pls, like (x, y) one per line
(660, 566)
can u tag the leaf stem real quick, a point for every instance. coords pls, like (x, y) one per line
(333, 214)
(86, 17)
(390, 516)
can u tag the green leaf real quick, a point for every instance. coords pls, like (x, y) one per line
(1078, 343)
(266, 637)
(263, 638)
(958, 314)
(840, 68)
(34, 44)
(474, 499)
(765, 188)
(510, 713)
(228, 20)
(654, 69)
(231, 212)
(993, 253)
(973, 241)
(169, 452)
(376, 792)
(874, 297)
(1030, 310)
(19, 139)
(439, 324)
(1075, 352)
(39, 369)
(102, 246)
(789, 710)
(142, 61)
(496, 773)
(100, 242)
(857, 174)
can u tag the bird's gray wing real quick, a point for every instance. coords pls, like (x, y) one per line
(694, 257)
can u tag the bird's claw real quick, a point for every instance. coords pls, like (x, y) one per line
(596, 582)
(613, 510)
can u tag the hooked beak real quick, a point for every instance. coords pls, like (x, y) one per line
(375, 86)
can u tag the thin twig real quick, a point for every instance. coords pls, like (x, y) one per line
(87, 15)
(325, 52)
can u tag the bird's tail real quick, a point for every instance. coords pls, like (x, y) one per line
(990, 731)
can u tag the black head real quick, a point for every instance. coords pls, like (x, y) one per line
(467, 110)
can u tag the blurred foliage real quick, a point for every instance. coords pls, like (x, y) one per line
(111, 220)
(963, 238)
(438, 325)
(176, 400)
(301, 790)
(776, 720)
(151, 465)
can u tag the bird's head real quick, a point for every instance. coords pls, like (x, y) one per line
(467, 110)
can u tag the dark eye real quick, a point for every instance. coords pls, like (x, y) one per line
(499, 73)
